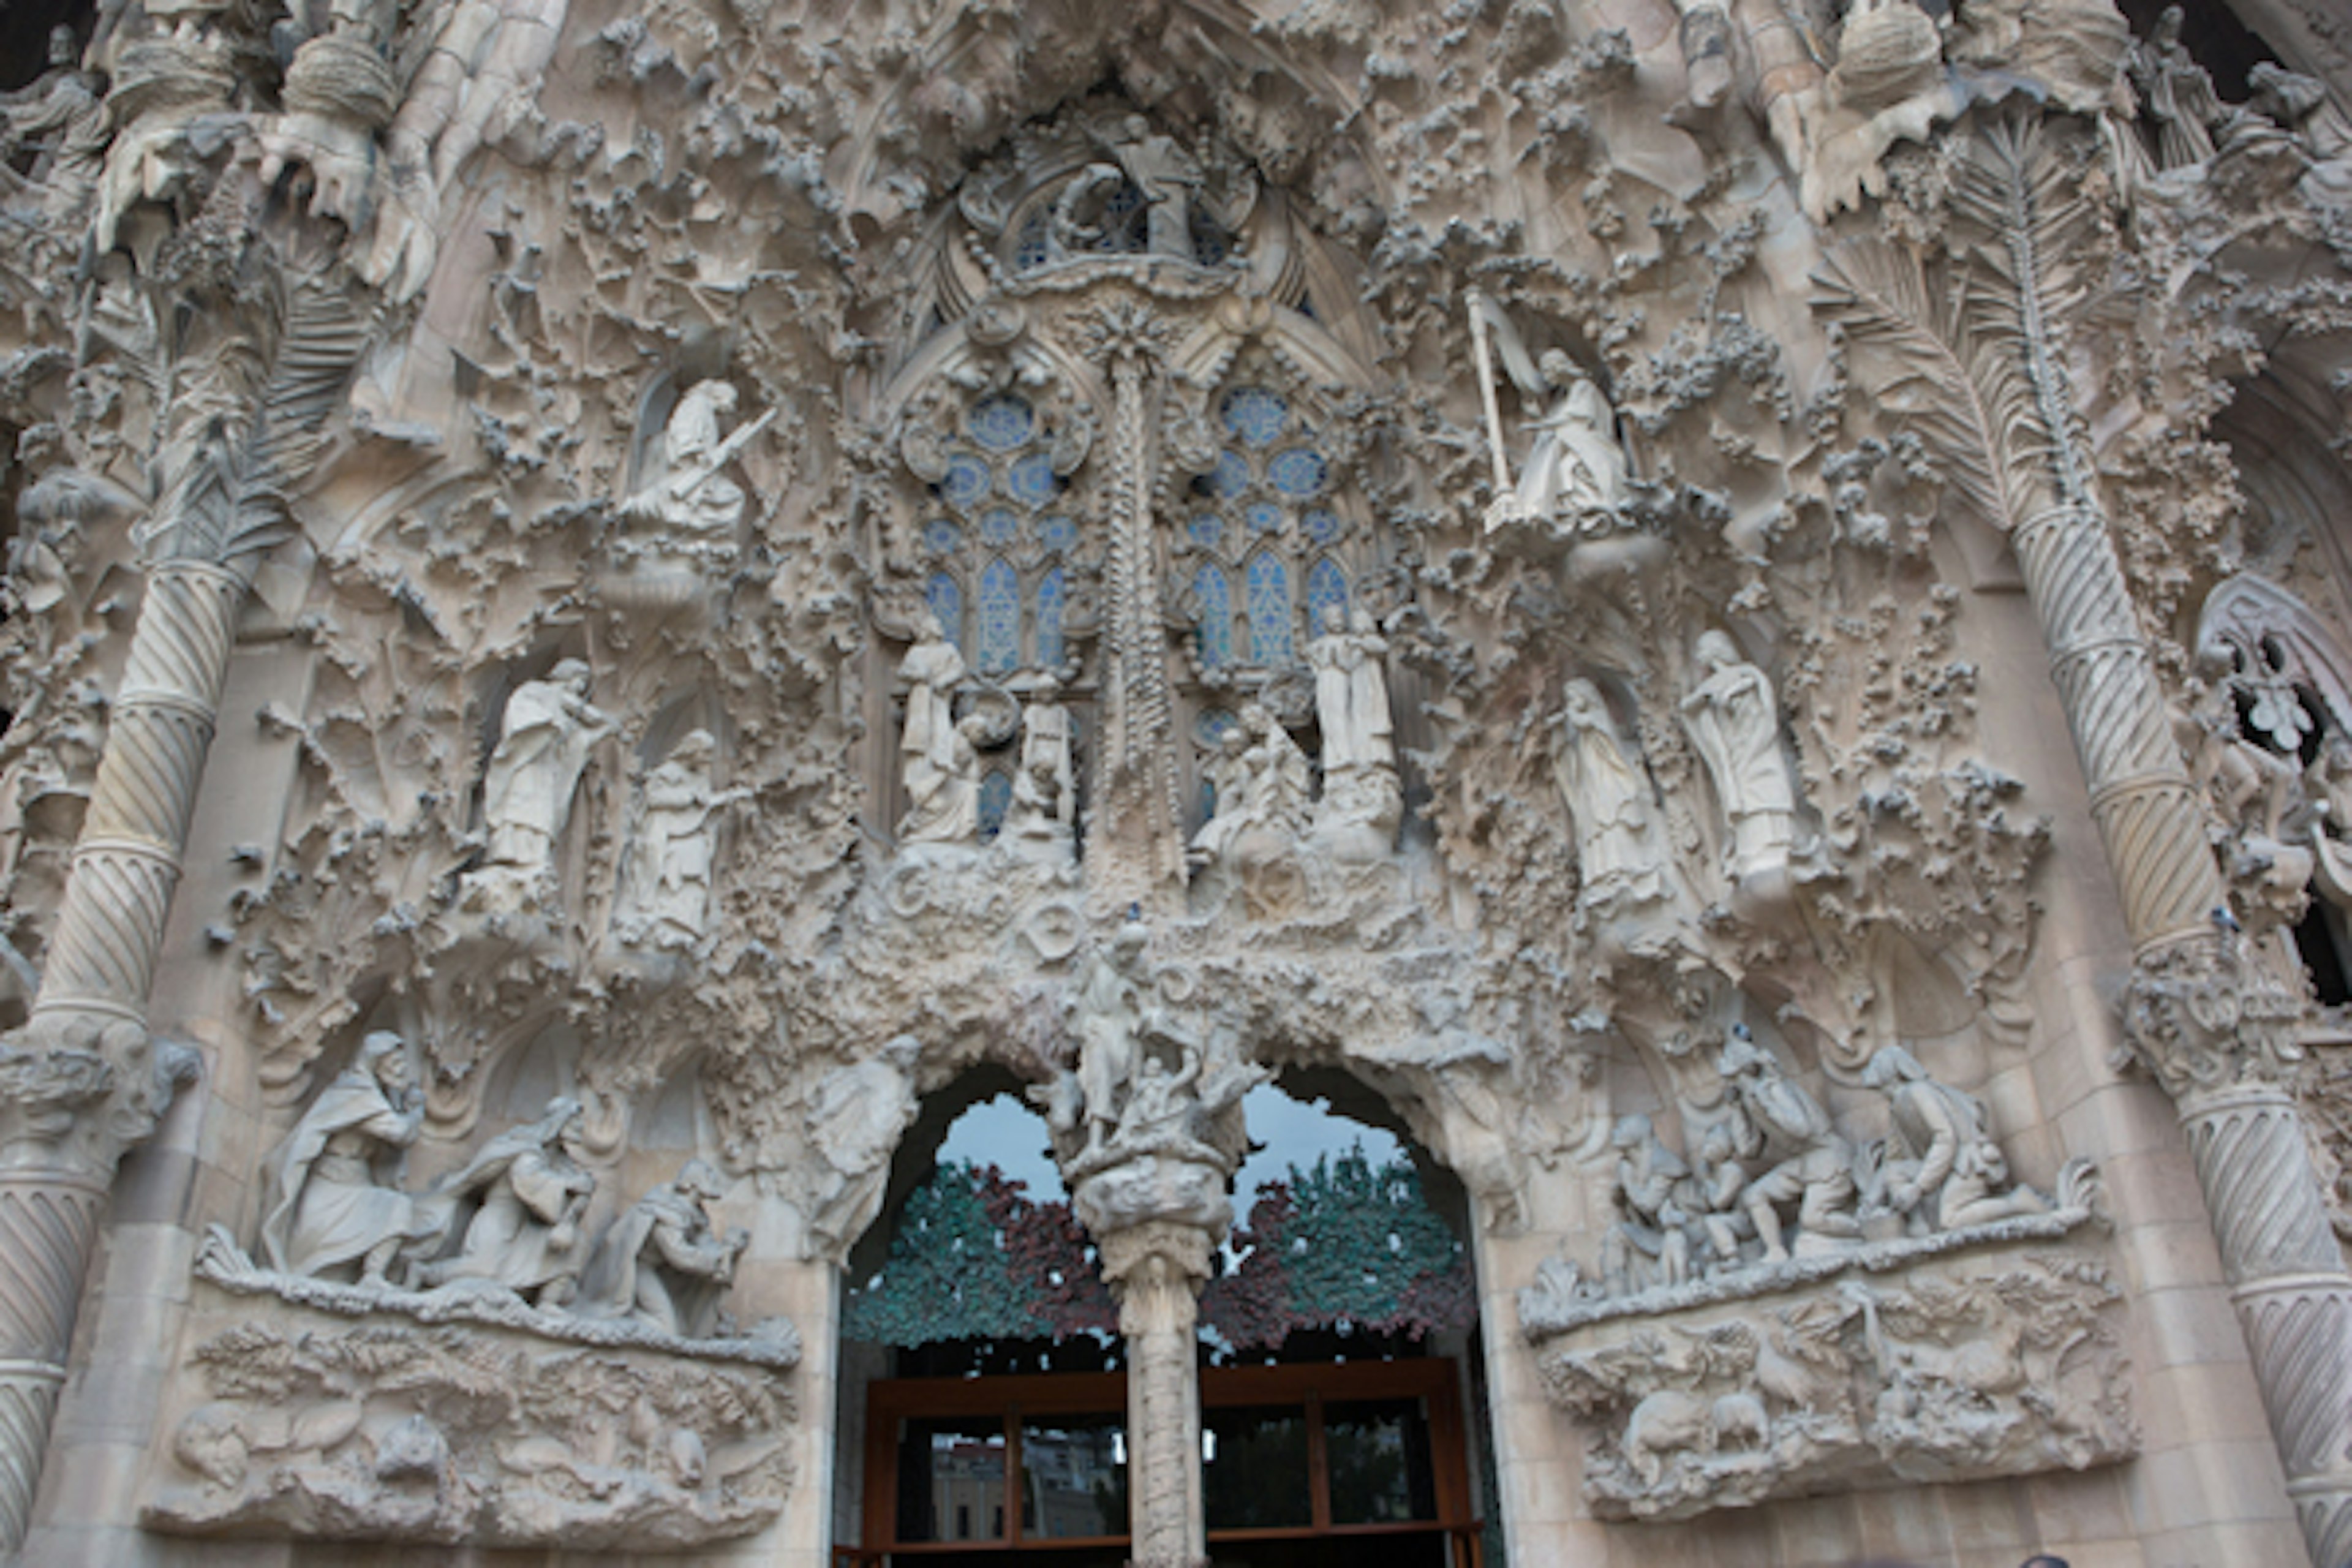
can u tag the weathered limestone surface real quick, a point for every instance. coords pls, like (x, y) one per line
(1738, 610)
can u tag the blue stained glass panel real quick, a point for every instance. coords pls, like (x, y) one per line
(1000, 618)
(1230, 478)
(995, 800)
(998, 527)
(942, 536)
(1254, 414)
(1032, 480)
(1002, 423)
(1210, 587)
(1034, 249)
(967, 478)
(1264, 517)
(1297, 473)
(1053, 597)
(1327, 588)
(1208, 529)
(1057, 534)
(946, 596)
(1321, 526)
(1268, 590)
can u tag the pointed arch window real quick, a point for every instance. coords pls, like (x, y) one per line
(999, 539)
(1264, 522)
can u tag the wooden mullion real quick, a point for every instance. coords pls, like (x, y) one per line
(1319, 1465)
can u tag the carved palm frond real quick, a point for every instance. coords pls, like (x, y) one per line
(1939, 377)
(231, 500)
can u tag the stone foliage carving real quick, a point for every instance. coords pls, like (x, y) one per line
(386, 1429)
(2007, 1361)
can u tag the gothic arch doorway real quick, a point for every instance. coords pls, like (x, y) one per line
(983, 1389)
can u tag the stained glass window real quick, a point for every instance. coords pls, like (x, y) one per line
(1013, 600)
(1052, 595)
(995, 800)
(946, 596)
(1268, 589)
(1002, 423)
(1327, 588)
(1264, 516)
(1256, 414)
(1000, 618)
(1216, 616)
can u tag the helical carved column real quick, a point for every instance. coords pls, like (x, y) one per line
(81, 1081)
(2201, 1015)
(1156, 1269)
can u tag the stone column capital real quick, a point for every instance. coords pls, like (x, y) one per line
(2203, 1016)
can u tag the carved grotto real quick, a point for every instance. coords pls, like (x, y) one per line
(1688, 657)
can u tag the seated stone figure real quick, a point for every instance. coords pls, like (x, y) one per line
(662, 1263)
(513, 1212)
(1806, 1160)
(1650, 1242)
(333, 1200)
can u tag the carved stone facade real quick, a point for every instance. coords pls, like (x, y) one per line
(1731, 618)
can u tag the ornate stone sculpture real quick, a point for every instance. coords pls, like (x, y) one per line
(332, 1188)
(1620, 864)
(855, 1116)
(1648, 1243)
(665, 897)
(1734, 721)
(2176, 93)
(1351, 707)
(1107, 1018)
(1806, 1160)
(1942, 1168)
(1262, 810)
(662, 1263)
(1572, 480)
(513, 1214)
(544, 740)
(689, 492)
(936, 757)
(59, 121)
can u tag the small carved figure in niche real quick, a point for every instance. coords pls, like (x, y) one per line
(1351, 708)
(665, 897)
(1649, 1244)
(1944, 1170)
(856, 1116)
(1045, 738)
(1705, 40)
(1575, 471)
(2177, 94)
(1734, 719)
(943, 804)
(544, 744)
(1262, 783)
(1034, 828)
(1812, 1164)
(927, 745)
(691, 493)
(662, 1263)
(517, 1206)
(1170, 179)
(1107, 1020)
(2258, 794)
(333, 1186)
(1159, 1105)
(1618, 862)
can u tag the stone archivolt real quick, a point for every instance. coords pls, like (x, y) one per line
(817, 553)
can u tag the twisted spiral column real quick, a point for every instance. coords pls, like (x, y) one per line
(74, 1100)
(1138, 789)
(2198, 1019)
(1155, 1270)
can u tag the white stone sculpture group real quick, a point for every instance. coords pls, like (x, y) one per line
(509, 1224)
(1773, 1179)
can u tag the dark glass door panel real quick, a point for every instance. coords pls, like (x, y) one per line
(1072, 1477)
(951, 1479)
(1379, 1456)
(1255, 1474)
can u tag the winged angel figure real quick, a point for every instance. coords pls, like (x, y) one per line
(1574, 474)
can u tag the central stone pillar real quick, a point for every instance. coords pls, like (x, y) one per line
(1156, 1271)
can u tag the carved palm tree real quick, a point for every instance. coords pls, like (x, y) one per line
(1977, 367)
(81, 1081)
